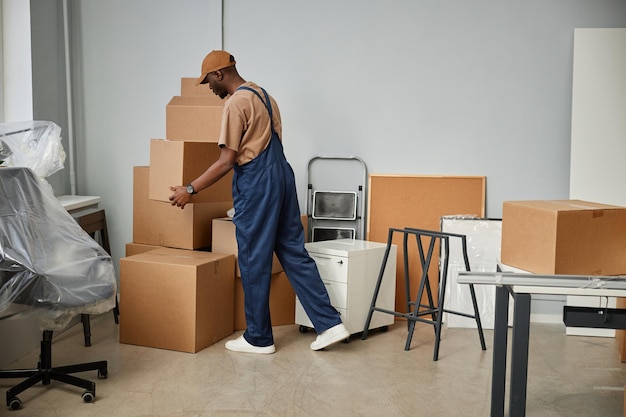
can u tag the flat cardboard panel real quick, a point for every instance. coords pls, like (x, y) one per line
(193, 118)
(282, 302)
(225, 241)
(176, 299)
(179, 163)
(564, 237)
(161, 224)
(419, 201)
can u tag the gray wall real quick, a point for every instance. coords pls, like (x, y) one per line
(458, 87)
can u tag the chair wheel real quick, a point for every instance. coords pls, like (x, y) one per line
(102, 373)
(384, 329)
(88, 396)
(15, 403)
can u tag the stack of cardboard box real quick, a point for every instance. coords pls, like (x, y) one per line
(178, 285)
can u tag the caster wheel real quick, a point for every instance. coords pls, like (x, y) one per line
(303, 329)
(88, 396)
(346, 340)
(15, 403)
(102, 373)
(384, 329)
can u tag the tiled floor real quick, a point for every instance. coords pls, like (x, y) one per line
(568, 376)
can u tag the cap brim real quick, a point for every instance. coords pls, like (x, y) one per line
(201, 79)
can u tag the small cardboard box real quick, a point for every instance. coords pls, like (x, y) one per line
(193, 118)
(179, 163)
(161, 224)
(176, 299)
(282, 302)
(224, 241)
(570, 237)
(188, 88)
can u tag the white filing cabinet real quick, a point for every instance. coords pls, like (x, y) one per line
(349, 269)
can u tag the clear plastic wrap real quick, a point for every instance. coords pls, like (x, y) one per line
(32, 144)
(483, 250)
(50, 268)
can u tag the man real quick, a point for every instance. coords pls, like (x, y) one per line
(267, 214)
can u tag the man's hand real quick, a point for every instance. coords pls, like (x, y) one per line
(180, 196)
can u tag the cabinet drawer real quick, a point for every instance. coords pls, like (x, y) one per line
(338, 293)
(332, 268)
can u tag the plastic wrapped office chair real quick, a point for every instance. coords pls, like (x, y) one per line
(50, 269)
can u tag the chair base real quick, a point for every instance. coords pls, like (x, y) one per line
(45, 373)
(84, 318)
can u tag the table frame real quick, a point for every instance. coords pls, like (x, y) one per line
(521, 287)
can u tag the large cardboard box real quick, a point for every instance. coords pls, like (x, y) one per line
(282, 302)
(179, 163)
(224, 241)
(176, 299)
(564, 237)
(161, 224)
(133, 248)
(193, 118)
(189, 88)
(620, 335)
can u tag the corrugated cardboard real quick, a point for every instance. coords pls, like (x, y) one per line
(159, 223)
(282, 302)
(419, 201)
(176, 299)
(189, 88)
(133, 248)
(225, 241)
(193, 118)
(179, 163)
(620, 335)
(564, 237)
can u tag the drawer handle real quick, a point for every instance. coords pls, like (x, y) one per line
(340, 262)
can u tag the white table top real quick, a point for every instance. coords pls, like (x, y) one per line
(73, 202)
(605, 286)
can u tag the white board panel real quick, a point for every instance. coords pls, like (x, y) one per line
(598, 151)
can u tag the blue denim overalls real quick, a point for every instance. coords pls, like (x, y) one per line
(267, 220)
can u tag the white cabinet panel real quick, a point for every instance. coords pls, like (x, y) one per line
(349, 269)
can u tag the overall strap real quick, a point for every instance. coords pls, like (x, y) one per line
(267, 103)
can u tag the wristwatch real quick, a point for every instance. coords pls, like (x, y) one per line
(191, 190)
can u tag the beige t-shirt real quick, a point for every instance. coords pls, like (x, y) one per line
(246, 124)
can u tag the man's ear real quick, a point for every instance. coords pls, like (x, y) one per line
(219, 74)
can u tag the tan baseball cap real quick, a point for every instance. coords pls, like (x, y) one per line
(215, 60)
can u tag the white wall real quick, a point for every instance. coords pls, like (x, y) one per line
(18, 337)
(17, 92)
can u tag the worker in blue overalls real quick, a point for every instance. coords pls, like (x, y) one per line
(267, 214)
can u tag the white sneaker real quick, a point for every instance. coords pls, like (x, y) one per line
(240, 344)
(328, 337)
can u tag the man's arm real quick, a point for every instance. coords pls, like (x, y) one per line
(214, 173)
